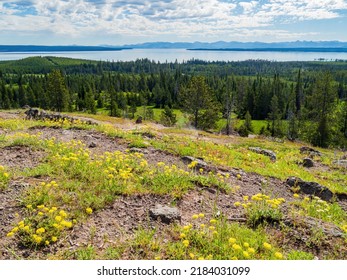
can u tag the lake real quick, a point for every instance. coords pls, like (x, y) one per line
(171, 55)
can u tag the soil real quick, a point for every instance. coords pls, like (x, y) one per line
(20, 157)
(129, 213)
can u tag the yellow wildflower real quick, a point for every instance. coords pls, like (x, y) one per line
(278, 256)
(10, 234)
(15, 229)
(191, 255)
(296, 195)
(62, 213)
(267, 246)
(251, 250)
(245, 254)
(237, 204)
(186, 243)
(213, 221)
(54, 239)
(58, 218)
(236, 247)
(40, 230)
(201, 215)
(246, 244)
(195, 216)
(182, 235)
(89, 210)
(232, 240)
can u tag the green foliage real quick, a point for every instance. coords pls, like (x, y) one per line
(299, 255)
(197, 100)
(168, 117)
(57, 89)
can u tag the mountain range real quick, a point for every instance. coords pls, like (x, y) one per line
(321, 46)
(238, 45)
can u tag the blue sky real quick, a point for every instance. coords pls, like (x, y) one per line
(95, 22)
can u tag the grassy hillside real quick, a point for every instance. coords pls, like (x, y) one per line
(85, 190)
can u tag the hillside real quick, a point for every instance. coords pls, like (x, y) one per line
(94, 188)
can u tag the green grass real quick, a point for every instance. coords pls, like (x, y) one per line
(71, 183)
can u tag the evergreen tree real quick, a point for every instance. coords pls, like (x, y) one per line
(321, 107)
(275, 118)
(168, 117)
(196, 98)
(57, 91)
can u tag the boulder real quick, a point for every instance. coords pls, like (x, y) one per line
(137, 150)
(139, 120)
(307, 162)
(310, 151)
(264, 152)
(165, 213)
(311, 188)
(340, 163)
(92, 144)
(200, 163)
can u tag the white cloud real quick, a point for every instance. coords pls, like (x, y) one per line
(182, 18)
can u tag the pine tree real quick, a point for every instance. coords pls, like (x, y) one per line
(196, 98)
(57, 91)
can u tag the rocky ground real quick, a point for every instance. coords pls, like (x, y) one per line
(128, 213)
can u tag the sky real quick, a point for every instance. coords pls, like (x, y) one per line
(118, 22)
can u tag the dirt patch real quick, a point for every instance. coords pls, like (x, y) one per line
(97, 142)
(21, 156)
(10, 213)
(10, 115)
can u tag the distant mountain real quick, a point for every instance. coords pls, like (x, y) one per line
(239, 45)
(32, 48)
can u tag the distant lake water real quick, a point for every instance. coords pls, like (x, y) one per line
(171, 55)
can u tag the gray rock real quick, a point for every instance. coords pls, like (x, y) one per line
(307, 162)
(92, 144)
(199, 163)
(264, 152)
(165, 213)
(137, 150)
(310, 151)
(340, 163)
(311, 188)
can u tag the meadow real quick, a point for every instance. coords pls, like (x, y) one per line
(75, 190)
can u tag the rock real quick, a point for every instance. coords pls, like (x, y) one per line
(18, 185)
(137, 150)
(139, 120)
(264, 152)
(165, 213)
(307, 162)
(340, 163)
(199, 163)
(92, 145)
(310, 151)
(311, 188)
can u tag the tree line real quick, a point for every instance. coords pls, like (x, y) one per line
(298, 100)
